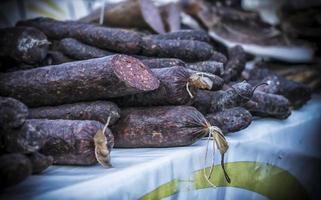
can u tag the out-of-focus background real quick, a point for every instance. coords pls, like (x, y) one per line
(12, 11)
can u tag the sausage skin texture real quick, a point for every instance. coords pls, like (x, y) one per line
(183, 35)
(165, 126)
(24, 44)
(237, 95)
(114, 39)
(172, 90)
(80, 51)
(231, 120)
(13, 113)
(186, 50)
(162, 62)
(297, 93)
(269, 105)
(202, 101)
(70, 142)
(235, 65)
(87, 80)
(96, 110)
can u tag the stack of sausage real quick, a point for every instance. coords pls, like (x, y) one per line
(152, 90)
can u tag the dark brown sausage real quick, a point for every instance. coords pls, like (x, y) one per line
(39, 162)
(272, 105)
(166, 126)
(87, 80)
(237, 95)
(186, 50)
(80, 51)
(71, 142)
(202, 101)
(24, 44)
(172, 90)
(25, 139)
(96, 110)
(297, 93)
(235, 65)
(212, 67)
(14, 168)
(113, 39)
(183, 35)
(162, 62)
(13, 113)
(231, 120)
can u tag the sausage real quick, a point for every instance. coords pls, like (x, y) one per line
(212, 67)
(202, 101)
(166, 126)
(96, 110)
(24, 44)
(237, 95)
(14, 168)
(272, 105)
(70, 142)
(162, 62)
(186, 50)
(80, 51)
(39, 162)
(197, 35)
(235, 65)
(13, 113)
(172, 90)
(297, 93)
(118, 40)
(87, 80)
(25, 139)
(218, 57)
(230, 120)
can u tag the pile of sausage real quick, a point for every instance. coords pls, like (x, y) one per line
(61, 80)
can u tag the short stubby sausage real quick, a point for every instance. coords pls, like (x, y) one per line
(71, 142)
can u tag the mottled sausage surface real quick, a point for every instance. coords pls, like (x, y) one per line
(237, 95)
(186, 50)
(80, 51)
(212, 67)
(235, 65)
(24, 44)
(25, 139)
(70, 142)
(166, 126)
(231, 120)
(183, 35)
(269, 105)
(162, 62)
(202, 101)
(172, 90)
(297, 93)
(96, 110)
(87, 80)
(13, 113)
(118, 40)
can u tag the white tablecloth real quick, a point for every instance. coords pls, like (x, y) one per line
(271, 159)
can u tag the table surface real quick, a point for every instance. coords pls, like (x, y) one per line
(271, 159)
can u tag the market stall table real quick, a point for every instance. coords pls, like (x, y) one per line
(271, 159)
